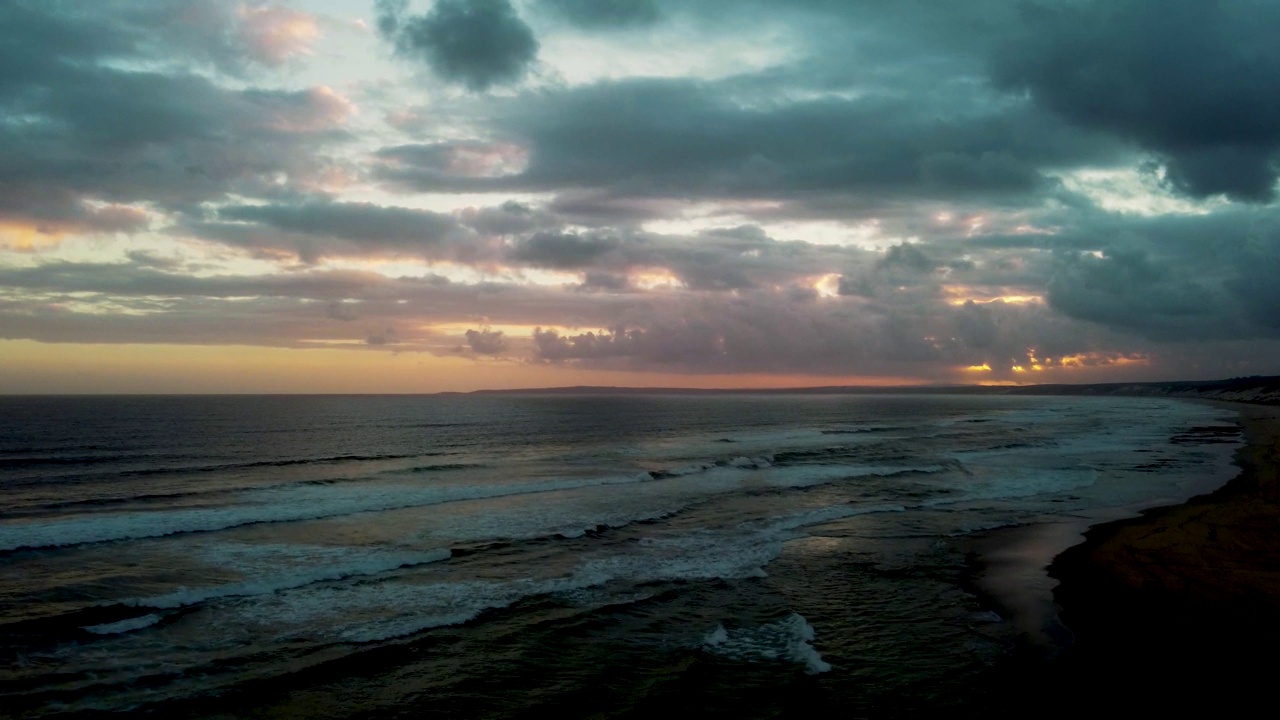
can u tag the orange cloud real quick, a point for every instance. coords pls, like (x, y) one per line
(27, 234)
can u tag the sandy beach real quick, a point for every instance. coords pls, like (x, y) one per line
(1179, 608)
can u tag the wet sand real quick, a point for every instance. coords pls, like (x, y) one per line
(1175, 610)
(1180, 608)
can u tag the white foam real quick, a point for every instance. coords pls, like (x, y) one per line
(125, 626)
(287, 567)
(573, 517)
(274, 505)
(367, 612)
(789, 640)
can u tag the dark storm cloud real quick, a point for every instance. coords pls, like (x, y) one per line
(684, 138)
(1127, 288)
(563, 250)
(901, 267)
(314, 230)
(1190, 80)
(597, 14)
(907, 257)
(139, 280)
(477, 43)
(381, 226)
(1174, 278)
(605, 281)
(509, 218)
(719, 260)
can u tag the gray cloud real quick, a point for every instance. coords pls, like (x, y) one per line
(564, 250)
(169, 138)
(682, 138)
(477, 43)
(1190, 80)
(596, 14)
(486, 341)
(762, 332)
(385, 336)
(348, 221)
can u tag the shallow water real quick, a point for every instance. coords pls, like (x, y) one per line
(496, 556)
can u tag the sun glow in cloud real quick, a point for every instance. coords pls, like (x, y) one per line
(276, 34)
(655, 279)
(828, 286)
(22, 237)
(959, 295)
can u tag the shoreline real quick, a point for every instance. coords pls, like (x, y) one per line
(1012, 568)
(1173, 609)
(1184, 596)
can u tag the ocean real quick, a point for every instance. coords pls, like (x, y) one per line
(508, 555)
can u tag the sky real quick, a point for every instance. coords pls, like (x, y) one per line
(417, 196)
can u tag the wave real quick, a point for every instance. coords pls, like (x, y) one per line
(286, 504)
(788, 640)
(315, 500)
(362, 565)
(124, 626)
(862, 430)
(226, 491)
(393, 609)
(81, 478)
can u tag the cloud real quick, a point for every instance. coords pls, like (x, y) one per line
(1192, 81)
(386, 336)
(122, 129)
(563, 250)
(597, 14)
(486, 342)
(685, 139)
(349, 221)
(761, 331)
(274, 34)
(1172, 278)
(476, 43)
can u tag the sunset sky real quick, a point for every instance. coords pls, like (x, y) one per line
(348, 196)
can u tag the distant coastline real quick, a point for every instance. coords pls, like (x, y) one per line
(1256, 389)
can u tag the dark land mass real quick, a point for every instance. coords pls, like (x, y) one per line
(1257, 389)
(1179, 609)
(1176, 611)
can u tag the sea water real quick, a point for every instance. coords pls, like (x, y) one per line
(511, 555)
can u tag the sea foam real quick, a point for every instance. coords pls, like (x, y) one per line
(788, 640)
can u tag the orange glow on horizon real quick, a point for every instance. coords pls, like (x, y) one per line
(29, 367)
